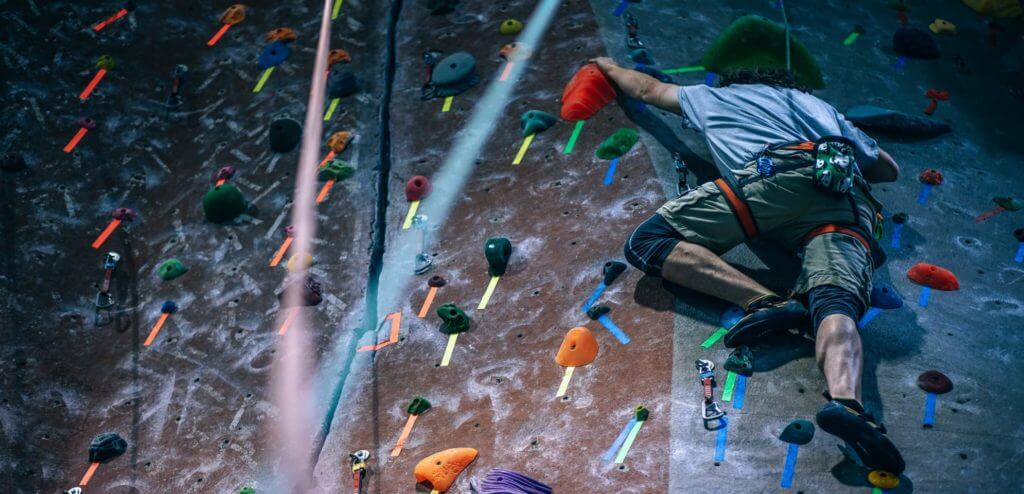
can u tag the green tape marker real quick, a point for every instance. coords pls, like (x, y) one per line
(684, 70)
(730, 383)
(263, 80)
(851, 38)
(717, 335)
(336, 9)
(575, 135)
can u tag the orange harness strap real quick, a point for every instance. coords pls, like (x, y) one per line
(739, 208)
(830, 228)
(801, 146)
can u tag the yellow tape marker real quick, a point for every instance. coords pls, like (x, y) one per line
(522, 149)
(336, 9)
(435, 491)
(449, 349)
(331, 108)
(488, 292)
(565, 382)
(447, 104)
(263, 80)
(413, 206)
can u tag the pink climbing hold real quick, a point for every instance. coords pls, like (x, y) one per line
(417, 188)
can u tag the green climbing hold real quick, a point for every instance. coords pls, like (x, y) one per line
(536, 121)
(247, 490)
(741, 361)
(285, 134)
(799, 432)
(224, 203)
(617, 144)
(455, 320)
(511, 26)
(753, 42)
(1009, 203)
(105, 62)
(418, 406)
(641, 413)
(336, 170)
(171, 269)
(498, 250)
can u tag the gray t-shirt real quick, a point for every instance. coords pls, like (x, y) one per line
(740, 120)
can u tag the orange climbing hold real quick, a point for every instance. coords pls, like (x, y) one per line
(338, 141)
(338, 55)
(579, 348)
(587, 92)
(442, 468)
(235, 14)
(282, 34)
(932, 276)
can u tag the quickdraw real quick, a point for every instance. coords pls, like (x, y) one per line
(104, 299)
(710, 411)
(358, 463)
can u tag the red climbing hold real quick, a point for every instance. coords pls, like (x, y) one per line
(417, 188)
(931, 176)
(932, 276)
(935, 95)
(587, 92)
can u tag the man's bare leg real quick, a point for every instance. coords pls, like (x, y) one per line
(840, 357)
(697, 268)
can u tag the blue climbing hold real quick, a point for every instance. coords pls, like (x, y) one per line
(885, 296)
(273, 54)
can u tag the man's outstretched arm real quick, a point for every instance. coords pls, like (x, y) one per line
(643, 87)
(885, 170)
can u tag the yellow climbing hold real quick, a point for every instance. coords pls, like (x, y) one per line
(995, 8)
(942, 26)
(299, 262)
(511, 26)
(883, 479)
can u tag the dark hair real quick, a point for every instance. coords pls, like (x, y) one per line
(778, 78)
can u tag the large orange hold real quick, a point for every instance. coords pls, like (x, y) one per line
(442, 468)
(579, 348)
(932, 276)
(587, 92)
(338, 141)
(282, 34)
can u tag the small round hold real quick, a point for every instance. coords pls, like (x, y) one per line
(282, 34)
(436, 282)
(226, 172)
(125, 214)
(900, 218)
(105, 62)
(883, 479)
(338, 55)
(931, 176)
(289, 231)
(417, 188)
(1019, 234)
(934, 381)
(169, 307)
(87, 123)
(233, 15)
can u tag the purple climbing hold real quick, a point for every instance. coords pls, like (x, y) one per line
(87, 123)
(934, 381)
(124, 214)
(226, 172)
(436, 282)
(502, 481)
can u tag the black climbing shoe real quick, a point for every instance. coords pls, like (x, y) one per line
(767, 317)
(862, 434)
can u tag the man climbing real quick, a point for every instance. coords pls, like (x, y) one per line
(800, 174)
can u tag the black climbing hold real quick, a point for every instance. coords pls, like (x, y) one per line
(419, 405)
(285, 134)
(441, 7)
(452, 75)
(641, 56)
(273, 54)
(934, 381)
(309, 292)
(640, 413)
(169, 307)
(341, 82)
(455, 320)
(612, 270)
(12, 162)
(224, 203)
(741, 361)
(885, 296)
(498, 251)
(900, 218)
(799, 431)
(915, 43)
(597, 311)
(106, 447)
(655, 73)
(894, 123)
(436, 282)
(1019, 234)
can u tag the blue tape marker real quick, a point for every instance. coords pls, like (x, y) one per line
(900, 63)
(618, 333)
(923, 299)
(929, 410)
(709, 79)
(611, 171)
(923, 196)
(739, 391)
(593, 296)
(868, 316)
(787, 472)
(720, 440)
(1020, 253)
(897, 233)
(621, 8)
(608, 455)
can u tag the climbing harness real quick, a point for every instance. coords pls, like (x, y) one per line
(104, 299)
(710, 411)
(682, 187)
(357, 461)
(632, 42)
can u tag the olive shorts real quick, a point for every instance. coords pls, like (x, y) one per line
(786, 207)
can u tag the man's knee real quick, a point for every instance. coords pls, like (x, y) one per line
(829, 300)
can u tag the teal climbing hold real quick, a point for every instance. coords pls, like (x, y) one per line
(753, 42)
(1009, 203)
(799, 432)
(536, 121)
(617, 144)
(224, 203)
(454, 319)
(171, 269)
(498, 250)
(741, 361)
(418, 406)
(336, 170)
(641, 413)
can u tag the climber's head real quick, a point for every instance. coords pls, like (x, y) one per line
(777, 78)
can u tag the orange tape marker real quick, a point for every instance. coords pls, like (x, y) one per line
(220, 182)
(288, 321)
(426, 303)
(329, 157)
(106, 233)
(324, 190)
(156, 328)
(92, 84)
(74, 140)
(280, 252)
(110, 20)
(216, 37)
(89, 473)
(404, 436)
(396, 321)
